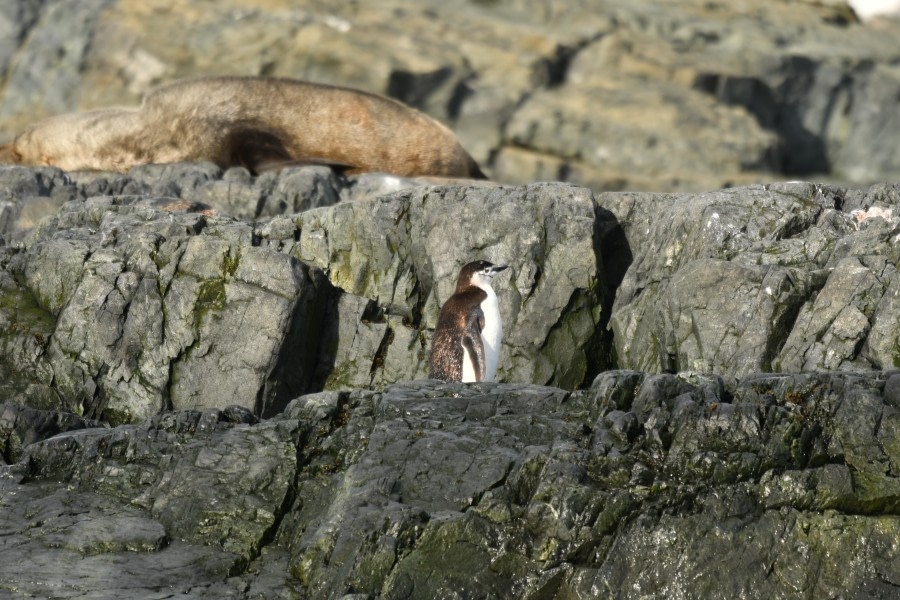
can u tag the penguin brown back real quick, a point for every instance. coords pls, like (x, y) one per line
(256, 122)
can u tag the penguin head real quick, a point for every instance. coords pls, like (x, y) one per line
(478, 273)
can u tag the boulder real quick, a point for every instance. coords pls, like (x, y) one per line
(21, 426)
(127, 310)
(124, 305)
(783, 277)
(404, 252)
(634, 487)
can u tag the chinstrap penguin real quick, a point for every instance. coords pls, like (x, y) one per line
(466, 345)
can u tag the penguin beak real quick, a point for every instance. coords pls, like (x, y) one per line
(497, 268)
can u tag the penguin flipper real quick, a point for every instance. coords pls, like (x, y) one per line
(473, 343)
(475, 347)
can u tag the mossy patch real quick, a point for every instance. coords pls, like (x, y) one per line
(25, 315)
(459, 554)
(210, 297)
(230, 263)
(25, 330)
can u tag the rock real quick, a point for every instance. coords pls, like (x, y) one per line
(792, 277)
(157, 537)
(71, 538)
(830, 329)
(29, 194)
(687, 97)
(501, 490)
(160, 290)
(210, 379)
(601, 136)
(777, 277)
(46, 82)
(403, 252)
(21, 426)
(176, 298)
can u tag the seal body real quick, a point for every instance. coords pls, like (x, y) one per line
(466, 344)
(257, 122)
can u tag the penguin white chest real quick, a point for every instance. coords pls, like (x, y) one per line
(492, 333)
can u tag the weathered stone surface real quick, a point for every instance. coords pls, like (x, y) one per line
(784, 277)
(634, 487)
(791, 277)
(625, 95)
(161, 536)
(404, 251)
(127, 310)
(21, 426)
(28, 195)
(622, 134)
(336, 297)
(221, 296)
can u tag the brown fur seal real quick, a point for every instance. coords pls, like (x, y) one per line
(256, 122)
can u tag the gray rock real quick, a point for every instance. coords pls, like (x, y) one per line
(16, 18)
(792, 277)
(160, 540)
(29, 194)
(125, 296)
(177, 298)
(829, 330)
(404, 252)
(776, 277)
(73, 538)
(172, 299)
(171, 180)
(601, 137)
(687, 97)
(490, 490)
(44, 56)
(21, 426)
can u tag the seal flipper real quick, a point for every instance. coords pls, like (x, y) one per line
(259, 150)
(9, 156)
(274, 165)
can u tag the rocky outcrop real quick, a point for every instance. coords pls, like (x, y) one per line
(788, 277)
(21, 426)
(190, 310)
(212, 382)
(633, 488)
(195, 309)
(625, 95)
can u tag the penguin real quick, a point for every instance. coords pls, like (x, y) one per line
(466, 344)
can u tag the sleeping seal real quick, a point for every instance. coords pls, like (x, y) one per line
(257, 122)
